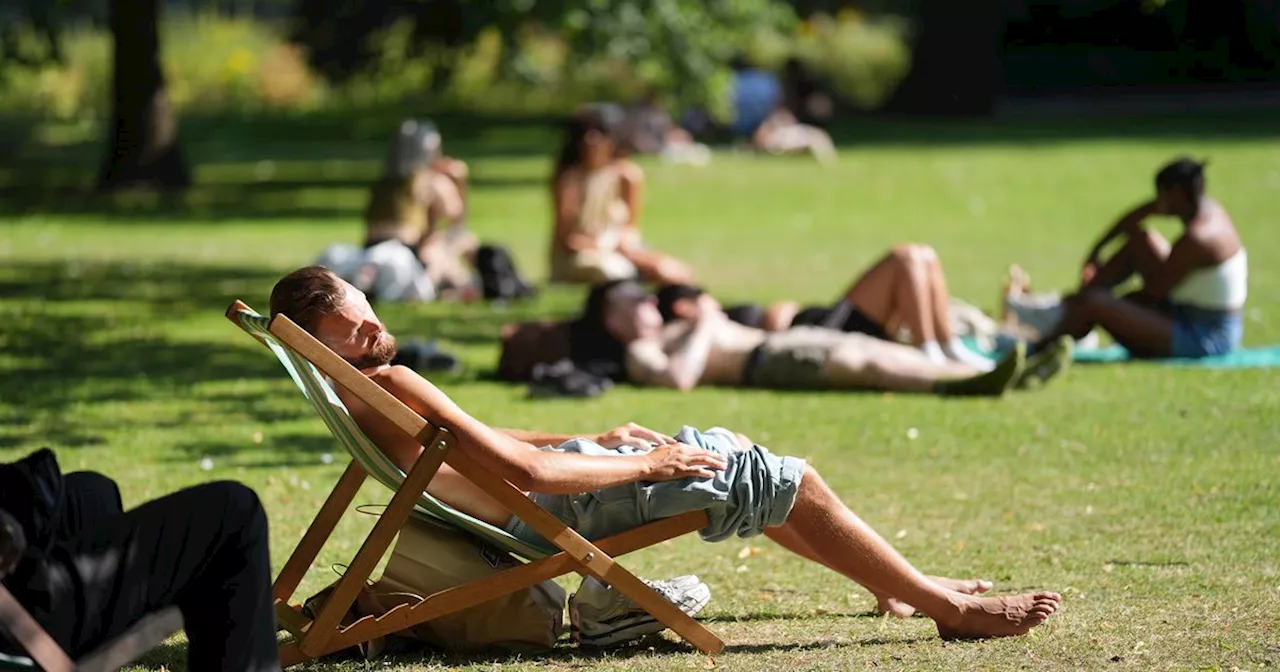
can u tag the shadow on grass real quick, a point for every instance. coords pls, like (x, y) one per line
(63, 192)
(172, 655)
(84, 343)
(47, 178)
(80, 334)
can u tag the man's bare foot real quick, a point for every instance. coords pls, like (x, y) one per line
(982, 617)
(892, 605)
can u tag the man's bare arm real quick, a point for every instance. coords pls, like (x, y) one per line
(629, 434)
(681, 363)
(535, 470)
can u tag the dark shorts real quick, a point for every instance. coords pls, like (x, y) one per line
(841, 317)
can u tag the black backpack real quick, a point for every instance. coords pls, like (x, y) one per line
(498, 275)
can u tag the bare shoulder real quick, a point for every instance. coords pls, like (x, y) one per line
(395, 377)
(630, 170)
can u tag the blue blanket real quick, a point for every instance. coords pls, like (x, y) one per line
(1244, 358)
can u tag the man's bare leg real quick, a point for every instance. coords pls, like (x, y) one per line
(864, 362)
(886, 604)
(822, 524)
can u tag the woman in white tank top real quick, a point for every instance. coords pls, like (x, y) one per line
(596, 196)
(1192, 292)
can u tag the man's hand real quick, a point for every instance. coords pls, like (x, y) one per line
(13, 543)
(632, 435)
(675, 461)
(708, 306)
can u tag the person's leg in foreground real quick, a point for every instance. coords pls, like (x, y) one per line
(821, 528)
(203, 549)
(788, 501)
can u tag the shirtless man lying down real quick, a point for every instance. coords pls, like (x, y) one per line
(745, 489)
(621, 335)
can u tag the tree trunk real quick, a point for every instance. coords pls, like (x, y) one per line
(955, 62)
(142, 149)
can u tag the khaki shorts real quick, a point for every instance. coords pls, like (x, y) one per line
(793, 359)
(590, 266)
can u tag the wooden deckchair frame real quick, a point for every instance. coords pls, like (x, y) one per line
(45, 652)
(324, 634)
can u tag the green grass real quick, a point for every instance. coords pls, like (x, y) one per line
(1147, 495)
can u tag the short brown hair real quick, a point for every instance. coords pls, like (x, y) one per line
(308, 294)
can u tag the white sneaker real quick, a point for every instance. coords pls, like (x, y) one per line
(601, 616)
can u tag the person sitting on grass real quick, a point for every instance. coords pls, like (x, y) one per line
(89, 571)
(1192, 293)
(645, 476)
(420, 202)
(621, 336)
(906, 289)
(597, 195)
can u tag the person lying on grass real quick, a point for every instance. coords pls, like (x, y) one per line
(621, 336)
(1193, 292)
(905, 289)
(605, 484)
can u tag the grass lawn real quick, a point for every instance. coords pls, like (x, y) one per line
(1147, 495)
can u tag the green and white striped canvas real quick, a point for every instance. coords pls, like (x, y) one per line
(343, 427)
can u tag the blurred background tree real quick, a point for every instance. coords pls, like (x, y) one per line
(522, 57)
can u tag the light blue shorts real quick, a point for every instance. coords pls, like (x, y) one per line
(756, 490)
(1201, 333)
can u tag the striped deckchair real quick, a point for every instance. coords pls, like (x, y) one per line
(308, 362)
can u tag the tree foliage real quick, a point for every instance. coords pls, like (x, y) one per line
(686, 43)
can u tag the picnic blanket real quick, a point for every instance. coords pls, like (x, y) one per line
(1260, 357)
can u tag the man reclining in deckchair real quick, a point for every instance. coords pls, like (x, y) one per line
(600, 490)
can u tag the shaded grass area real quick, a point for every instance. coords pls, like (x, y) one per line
(1147, 495)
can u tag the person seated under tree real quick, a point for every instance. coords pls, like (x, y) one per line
(420, 202)
(745, 489)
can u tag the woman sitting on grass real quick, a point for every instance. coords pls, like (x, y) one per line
(419, 189)
(1192, 292)
(905, 289)
(596, 195)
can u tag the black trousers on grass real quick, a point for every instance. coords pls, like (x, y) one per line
(203, 549)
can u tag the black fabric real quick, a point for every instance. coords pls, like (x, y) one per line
(203, 549)
(425, 357)
(591, 347)
(565, 379)
(31, 491)
(841, 317)
(498, 275)
(748, 314)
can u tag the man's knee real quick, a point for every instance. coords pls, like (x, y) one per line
(240, 503)
(94, 488)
